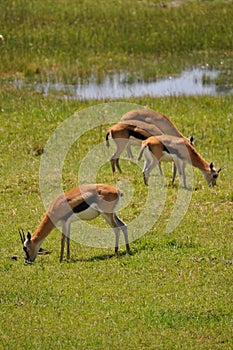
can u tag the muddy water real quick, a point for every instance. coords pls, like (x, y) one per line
(191, 82)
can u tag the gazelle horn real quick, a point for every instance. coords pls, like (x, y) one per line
(22, 235)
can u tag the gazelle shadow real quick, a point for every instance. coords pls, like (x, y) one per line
(101, 257)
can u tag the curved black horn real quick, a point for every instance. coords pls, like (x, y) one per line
(22, 235)
(29, 236)
(219, 170)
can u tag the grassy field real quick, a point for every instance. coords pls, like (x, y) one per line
(175, 291)
(66, 40)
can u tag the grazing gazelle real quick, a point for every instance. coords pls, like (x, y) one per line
(148, 116)
(179, 150)
(123, 131)
(135, 126)
(85, 201)
(151, 117)
(161, 121)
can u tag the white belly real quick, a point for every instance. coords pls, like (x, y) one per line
(88, 214)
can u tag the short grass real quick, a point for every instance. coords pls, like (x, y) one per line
(173, 292)
(69, 40)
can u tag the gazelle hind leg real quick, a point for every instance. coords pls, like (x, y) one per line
(148, 166)
(113, 220)
(118, 165)
(150, 162)
(120, 145)
(180, 165)
(174, 171)
(160, 169)
(124, 229)
(129, 152)
(117, 237)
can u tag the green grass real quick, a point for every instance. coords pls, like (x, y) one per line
(64, 41)
(173, 292)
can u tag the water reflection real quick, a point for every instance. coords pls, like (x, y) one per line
(191, 82)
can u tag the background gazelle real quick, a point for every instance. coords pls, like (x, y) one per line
(123, 131)
(179, 150)
(85, 201)
(136, 126)
(161, 121)
(148, 116)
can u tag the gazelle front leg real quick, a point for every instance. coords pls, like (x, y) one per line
(184, 175)
(180, 165)
(174, 171)
(68, 239)
(114, 221)
(65, 239)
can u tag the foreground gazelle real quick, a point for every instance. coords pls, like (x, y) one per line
(85, 201)
(123, 131)
(178, 150)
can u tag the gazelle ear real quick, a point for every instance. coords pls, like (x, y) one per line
(29, 236)
(191, 140)
(211, 166)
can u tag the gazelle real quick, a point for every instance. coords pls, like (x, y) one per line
(123, 131)
(135, 126)
(151, 117)
(161, 121)
(179, 150)
(86, 202)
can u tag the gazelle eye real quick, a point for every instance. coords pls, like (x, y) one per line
(215, 176)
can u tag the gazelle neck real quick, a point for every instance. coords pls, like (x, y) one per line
(199, 162)
(45, 227)
(202, 164)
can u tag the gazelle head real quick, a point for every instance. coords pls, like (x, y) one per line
(212, 175)
(29, 247)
